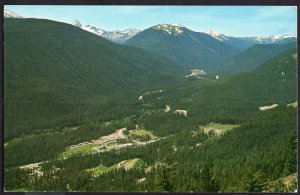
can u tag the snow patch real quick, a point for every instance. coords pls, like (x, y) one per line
(217, 35)
(119, 36)
(10, 14)
(171, 29)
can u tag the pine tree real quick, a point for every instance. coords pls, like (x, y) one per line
(164, 178)
(207, 182)
(253, 181)
(291, 159)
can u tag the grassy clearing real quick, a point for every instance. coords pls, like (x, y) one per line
(139, 163)
(131, 163)
(218, 128)
(80, 149)
(142, 132)
(118, 142)
(101, 169)
(126, 164)
(112, 143)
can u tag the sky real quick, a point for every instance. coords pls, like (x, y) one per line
(228, 20)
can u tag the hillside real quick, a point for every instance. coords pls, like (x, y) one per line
(253, 149)
(186, 47)
(231, 97)
(254, 56)
(57, 74)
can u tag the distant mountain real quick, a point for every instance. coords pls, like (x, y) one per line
(280, 39)
(245, 42)
(184, 46)
(254, 56)
(10, 14)
(79, 73)
(119, 36)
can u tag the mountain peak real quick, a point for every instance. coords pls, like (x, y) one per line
(217, 35)
(174, 29)
(77, 23)
(118, 36)
(10, 14)
(213, 33)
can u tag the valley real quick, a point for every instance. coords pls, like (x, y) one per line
(168, 110)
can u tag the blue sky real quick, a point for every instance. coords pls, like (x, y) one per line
(229, 20)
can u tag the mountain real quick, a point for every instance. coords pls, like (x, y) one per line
(186, 47)
(243, 43)
(280, 39)
(254, 56)
(119, 36)
(235, 42)
(273, 81)
(10, 14)
(56, 73)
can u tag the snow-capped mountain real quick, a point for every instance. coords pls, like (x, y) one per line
(10, 14)
(174, 29)
(270, 39)
(184, 46)
(119, 36)
(254, 40)
(217, 35)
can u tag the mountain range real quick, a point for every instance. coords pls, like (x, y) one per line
(74, 59)
(184, 46)
(245, 42)
(119, 36)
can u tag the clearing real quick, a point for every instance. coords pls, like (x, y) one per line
(93, 145)
(168, 108)
(125, 164)
(218, 129)
(128, 164)
(196, 73)
(141, 132)
(148, 93)
(262, 108)
(101, 169)
(115, 140)
(294, 104)
(181, 112)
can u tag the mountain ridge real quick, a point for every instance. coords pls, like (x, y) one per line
(10, 14)
(182, 45)
(119, 36)
(78, 73)
(253, 57)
